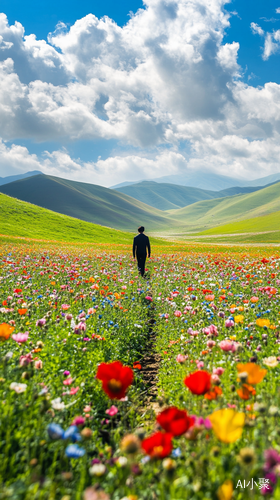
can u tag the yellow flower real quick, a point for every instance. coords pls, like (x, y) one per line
(262, 322)
(271, 361)
(227, 424)
(232, 337)
(255, 373)
(239, 318)
(225, 490)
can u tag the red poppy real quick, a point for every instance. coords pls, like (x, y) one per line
(137, 365)
(175, 421)
(198, 382)
(115, 378)
(159, 445)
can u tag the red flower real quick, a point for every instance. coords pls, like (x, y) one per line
(115, 378)
(159, 445)
(175, 421)
(198, 382)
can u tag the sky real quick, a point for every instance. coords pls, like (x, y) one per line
(107, 92)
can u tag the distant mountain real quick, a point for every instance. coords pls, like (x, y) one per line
(87, 202)
(207, 180)
(12, 178)
(171, 196)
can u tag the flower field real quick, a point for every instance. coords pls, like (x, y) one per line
(79, 420)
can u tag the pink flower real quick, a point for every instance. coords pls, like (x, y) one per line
(25, 360)
(215, 379)
(87, 409)
(68, 381)
(149, 298)
(38, 364)
(82, 326)
(64, 307)
(199, 364)
(73, 390)
(20, 337)
(41, 322)
(218, 371)
(66, 373)
(68, 317)
(231, 406)
(181, 358)
(78, 420)
(178, 314)
(229, 323)
(91, 310)
(112, 411)
(227, 346)
(211, 343)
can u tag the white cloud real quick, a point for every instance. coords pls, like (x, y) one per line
(277, 10)
(166, 76)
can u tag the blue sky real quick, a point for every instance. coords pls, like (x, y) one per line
(179, 85)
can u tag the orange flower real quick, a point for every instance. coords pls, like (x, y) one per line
(5, 331)
(255, 373)
(137, 365)
(254, 299)
(214, 393)
(209, 297)
(246, 391)
(22, 311)
(263, 322)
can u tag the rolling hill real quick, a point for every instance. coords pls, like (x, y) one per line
(211, 213)
(270, 222)
(171, 196)
(87, 202)
(12, 178)
(19, 218)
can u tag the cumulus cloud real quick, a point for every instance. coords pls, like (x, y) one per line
(167, 76)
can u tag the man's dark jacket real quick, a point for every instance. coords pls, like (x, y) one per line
(140, 245)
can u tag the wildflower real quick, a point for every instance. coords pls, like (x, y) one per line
(57, 404)
(214, 393)
(78, 421)
(255, 373)
(178, 314)
(198, 382)
(22, 312)
(181, 358)
(229, 323)
(41, 322)
(225, 491)
(263, 322)
(25, 359)
(227, 345)
(246, 456)
(137, 365)
(112, 411)
(72, 433)
(67, 381)
(93, 494)
(20, 337)
(74, 451)
(55, 432)
(271, 361)
(218, 371)
(227, 424)
(122, 461)
(38, 364)
(73, 391)
(272, 458)
(169, 464)
(17, 387)
(239, 319)
(130, 444)
(174, 421)
(159, 445)
(115, 378)
(5, 331)
(246, 391)
(97, 470)
(86, 433)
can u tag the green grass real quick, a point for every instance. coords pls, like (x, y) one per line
(19, 218)
(270, 222)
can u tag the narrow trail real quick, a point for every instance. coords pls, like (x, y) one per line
(150, 364)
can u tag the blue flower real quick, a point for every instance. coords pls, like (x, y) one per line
(176, 453)
(74, 451)
(70, 432)
(55, 431)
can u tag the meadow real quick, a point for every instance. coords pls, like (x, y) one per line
(81, 335)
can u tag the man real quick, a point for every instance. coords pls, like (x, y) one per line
(140, 245)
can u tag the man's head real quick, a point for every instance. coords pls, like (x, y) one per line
(141, 229)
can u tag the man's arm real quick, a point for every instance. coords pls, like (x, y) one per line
(149, 247)
(134, 248)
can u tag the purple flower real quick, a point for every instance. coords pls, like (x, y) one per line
(272, 458)
(41, 322)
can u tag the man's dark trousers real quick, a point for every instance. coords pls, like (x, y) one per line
(141, 260)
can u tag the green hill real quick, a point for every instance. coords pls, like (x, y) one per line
(87, 202)
(270, 222)
(211, 213)
(171, 196)
(19, 218)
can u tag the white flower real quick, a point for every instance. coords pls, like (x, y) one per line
(57, 404)
(122, 461)
(97, 470)
(18, 388)
(271, 361)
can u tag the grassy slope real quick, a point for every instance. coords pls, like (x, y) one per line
(19, 218)
(205, 214)
(171, 196)
(87, 202)
(270, 222)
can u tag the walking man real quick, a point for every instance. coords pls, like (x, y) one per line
(140, 245)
